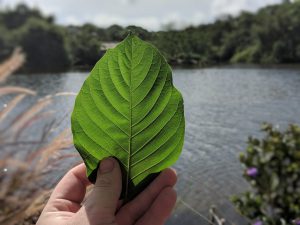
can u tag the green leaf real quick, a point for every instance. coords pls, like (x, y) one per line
(128, 108)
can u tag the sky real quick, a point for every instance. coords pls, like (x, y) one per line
(150, 14)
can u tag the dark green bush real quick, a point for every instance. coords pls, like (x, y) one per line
(45, 46)
(272, 167)
(84, 45)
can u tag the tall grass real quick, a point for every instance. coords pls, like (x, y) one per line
(23, 177)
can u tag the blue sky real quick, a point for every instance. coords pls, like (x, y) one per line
(151, 14)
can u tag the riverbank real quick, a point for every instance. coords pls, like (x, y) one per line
(87, 69)
(268, 36)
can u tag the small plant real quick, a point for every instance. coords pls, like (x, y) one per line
(272, 167)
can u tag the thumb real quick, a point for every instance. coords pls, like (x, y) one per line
(102, 202)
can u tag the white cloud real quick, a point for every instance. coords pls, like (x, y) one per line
(72, 20)
(149, 14)
(233, 7)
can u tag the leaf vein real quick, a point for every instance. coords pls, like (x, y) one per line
(148, 141)
(143, 171)
(89, 117)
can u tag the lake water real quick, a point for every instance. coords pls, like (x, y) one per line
(223, 106)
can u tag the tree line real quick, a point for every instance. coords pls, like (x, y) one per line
(269, 36)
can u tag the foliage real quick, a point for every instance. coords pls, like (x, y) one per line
(273, 170)
(4, 44)
(115, 33)
(43, 42)
(272, 35)
(140, 32)
(128, 108)
(17, 17)
(44, 45)
(84, 45)
(248, 55)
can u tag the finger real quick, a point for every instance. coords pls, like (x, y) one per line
(135, 209)
(70, 191)
(102, 202)
(161, 208)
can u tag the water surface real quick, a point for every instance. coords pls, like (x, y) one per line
(223, 106)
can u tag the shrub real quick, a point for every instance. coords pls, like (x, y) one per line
(273, 170)
(250, 54)
(45, 47)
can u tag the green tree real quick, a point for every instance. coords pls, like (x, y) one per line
(44, 45)
(115, 33)
(6, 46)
(85, 45)
(18, 16)
(139, 31)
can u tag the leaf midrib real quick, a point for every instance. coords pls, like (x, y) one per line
(130, 124)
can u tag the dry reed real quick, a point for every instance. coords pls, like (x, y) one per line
(12, 64)
(23, 191)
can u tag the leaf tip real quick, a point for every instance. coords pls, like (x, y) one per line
(132, 37)
(131, 34)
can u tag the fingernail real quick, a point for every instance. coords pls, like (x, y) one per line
(106, 165)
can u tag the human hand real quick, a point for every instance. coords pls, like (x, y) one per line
(66, 206)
